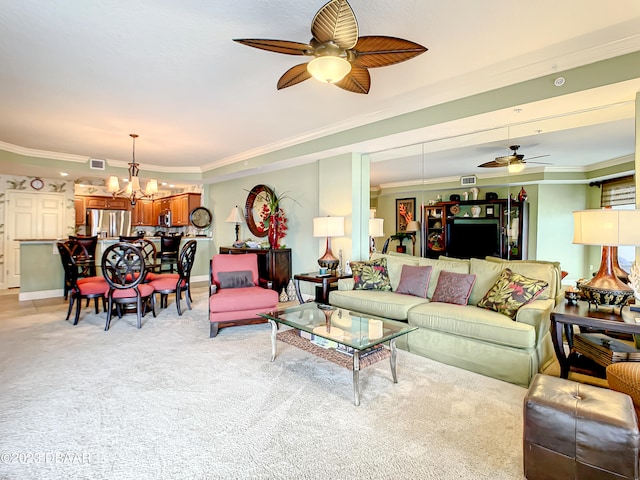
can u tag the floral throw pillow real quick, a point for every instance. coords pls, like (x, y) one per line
(453, 287)
(510, 292)
(371, 275)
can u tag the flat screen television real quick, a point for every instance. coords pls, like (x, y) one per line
(473, 237)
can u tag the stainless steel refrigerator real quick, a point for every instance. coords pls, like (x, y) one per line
(108, 223)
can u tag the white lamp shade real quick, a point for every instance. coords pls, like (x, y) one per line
(606, 227)
(135, 184)
(114, 185)
(328, 227)
(152, 187)
(328, 68)
(376, 227)
(413, 226)
(235, 216)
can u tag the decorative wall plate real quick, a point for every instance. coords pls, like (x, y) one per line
(37, 184)
(455, 209)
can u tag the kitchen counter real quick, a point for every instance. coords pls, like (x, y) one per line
(42, 275)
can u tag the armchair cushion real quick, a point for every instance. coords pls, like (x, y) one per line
(236, 279)
(249, 298)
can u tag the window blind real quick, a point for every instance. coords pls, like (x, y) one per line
(618, 191)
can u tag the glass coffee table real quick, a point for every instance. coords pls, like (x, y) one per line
(351, 339)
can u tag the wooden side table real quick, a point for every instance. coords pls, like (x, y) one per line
(564, 316)
(315, 277)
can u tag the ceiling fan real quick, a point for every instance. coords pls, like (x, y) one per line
(514, 159)
(340, 56)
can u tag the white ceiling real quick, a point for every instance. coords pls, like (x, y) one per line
(77, 77)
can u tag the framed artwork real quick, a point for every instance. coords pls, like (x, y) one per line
(405, 212)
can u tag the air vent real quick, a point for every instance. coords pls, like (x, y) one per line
(468, 180)
(96, 163)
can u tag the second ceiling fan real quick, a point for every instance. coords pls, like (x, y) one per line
(514, 159)
(340, 56)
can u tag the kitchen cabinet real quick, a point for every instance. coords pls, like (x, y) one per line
(142, 214)
(81, 211)
(105, 203)
(181, 206)
(273, 264)
(476, 228)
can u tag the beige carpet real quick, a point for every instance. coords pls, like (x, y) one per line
(167, 402)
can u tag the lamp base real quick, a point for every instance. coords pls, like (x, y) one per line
(605, 288)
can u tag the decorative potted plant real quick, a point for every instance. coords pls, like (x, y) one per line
(274, 219)
(401, 236)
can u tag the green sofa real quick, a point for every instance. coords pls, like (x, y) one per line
(466, 336)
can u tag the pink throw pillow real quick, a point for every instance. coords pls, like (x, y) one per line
(414, 280)
(453, 288)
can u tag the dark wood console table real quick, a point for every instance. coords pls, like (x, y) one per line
(273, 264)
(564, 316)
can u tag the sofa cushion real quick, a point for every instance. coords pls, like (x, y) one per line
(548, 271)
(414, 280)
(473, 322)
(395, 262)
(382, 304)
(371, 275)
(457, 266)
(453, 287)
(510, 292)
(487, 273)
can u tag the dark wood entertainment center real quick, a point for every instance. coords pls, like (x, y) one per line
(457, 229)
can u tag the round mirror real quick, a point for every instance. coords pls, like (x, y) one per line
(256, 200)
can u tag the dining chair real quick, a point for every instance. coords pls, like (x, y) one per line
(166, 283)
(169, 249)
(235, 294)
(123, 267)
(79, 288)
(150, 254)
(127, 238)
(89, 245)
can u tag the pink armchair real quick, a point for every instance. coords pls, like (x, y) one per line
(235, 297)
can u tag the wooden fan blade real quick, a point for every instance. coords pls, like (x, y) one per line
(336, 22)
(492, 164)
(380, 51)
(293, 76)
(537, 156)
(278, 46)
(357, 81)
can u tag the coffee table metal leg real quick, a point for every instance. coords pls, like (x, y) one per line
(392, 344)
(356, 378)
(274, 329)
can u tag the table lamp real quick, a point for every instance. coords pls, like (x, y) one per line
(376, 229)
(328, 227)
(235, 216)
(609, 229)
(413, 226)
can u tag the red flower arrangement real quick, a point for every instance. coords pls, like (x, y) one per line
(281, 221)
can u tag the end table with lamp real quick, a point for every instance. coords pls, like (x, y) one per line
(326, 282)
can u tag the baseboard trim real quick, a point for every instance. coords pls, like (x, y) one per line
(23, 296)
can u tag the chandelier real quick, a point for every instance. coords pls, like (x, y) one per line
(133, 191)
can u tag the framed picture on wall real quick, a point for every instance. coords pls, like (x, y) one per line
(405, 212)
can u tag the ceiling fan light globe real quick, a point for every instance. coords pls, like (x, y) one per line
(328, 68)
(515, 167)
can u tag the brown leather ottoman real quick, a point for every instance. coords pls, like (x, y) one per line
(577, 431)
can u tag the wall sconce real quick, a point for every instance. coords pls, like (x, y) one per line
(328, 227)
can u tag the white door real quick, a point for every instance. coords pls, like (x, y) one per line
(29, 216)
